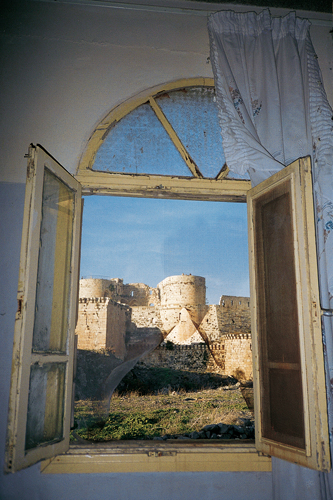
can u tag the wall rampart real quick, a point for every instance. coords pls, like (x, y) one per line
(211, 325)
(235, 302)
(118, 324)
(183, 357)
(146, 317)
(102, 324)
(238, 355)
(135, 294)
(234, 314)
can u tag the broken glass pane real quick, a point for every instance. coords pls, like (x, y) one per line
(192, 113)
(139, 144)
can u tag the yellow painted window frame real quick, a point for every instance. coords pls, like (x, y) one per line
(155, 186)
(316, 454)
(135, 457)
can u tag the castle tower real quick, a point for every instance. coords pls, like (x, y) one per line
(178, 292)
(92, 287)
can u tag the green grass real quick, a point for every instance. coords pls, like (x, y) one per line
(138, 425)
(144, 417)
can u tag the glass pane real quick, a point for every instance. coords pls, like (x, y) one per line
(46, 404)
(53, 278)
(139, 144)
(192, 113)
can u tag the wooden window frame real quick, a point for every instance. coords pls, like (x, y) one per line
(155, 186)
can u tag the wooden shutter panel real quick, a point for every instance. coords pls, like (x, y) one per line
(42, 370)
(290, 393)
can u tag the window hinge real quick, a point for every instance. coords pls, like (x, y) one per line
(326, 312)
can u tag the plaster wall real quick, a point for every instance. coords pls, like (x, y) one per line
(63, 67)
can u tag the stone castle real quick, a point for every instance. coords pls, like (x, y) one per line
(114, 316)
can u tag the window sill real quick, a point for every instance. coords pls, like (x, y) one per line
(154, 456)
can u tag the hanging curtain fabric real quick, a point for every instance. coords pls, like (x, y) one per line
(273, 109)
(263, 112)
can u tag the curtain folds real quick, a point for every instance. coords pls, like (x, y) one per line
(262, 108)
(273, 109)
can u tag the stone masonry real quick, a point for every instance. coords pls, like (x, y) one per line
(114, 315)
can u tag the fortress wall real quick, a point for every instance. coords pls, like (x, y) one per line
(118, 323)
(238, 355)
(234, 302)
(92, 323)
(182, 357)
(102, 324)
(91, 287)
(146, 317)
(210, 325)
(117, 286)
(234, 314)
(154, 297)
(136, 294)
(217, 359)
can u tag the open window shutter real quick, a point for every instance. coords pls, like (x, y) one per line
(289, 380)
(42, 370)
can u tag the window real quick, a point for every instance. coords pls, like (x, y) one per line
(39, 428)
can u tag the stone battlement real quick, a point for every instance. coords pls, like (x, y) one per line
(124, 314)
(238, 335)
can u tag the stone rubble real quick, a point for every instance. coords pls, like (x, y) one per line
(217, 431)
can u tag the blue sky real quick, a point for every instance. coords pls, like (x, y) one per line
(146, 240)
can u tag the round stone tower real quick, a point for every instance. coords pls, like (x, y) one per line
(93, 287)
(178, 292)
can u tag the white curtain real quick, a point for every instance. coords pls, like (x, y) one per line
(273, 109)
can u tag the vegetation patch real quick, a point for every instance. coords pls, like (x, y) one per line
(148, 381)
(166, 415)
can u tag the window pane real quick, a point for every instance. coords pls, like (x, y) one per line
(46, 404)
(192, 113)
(53, 278)
(139, 144)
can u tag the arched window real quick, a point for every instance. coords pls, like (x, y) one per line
(157, 141)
